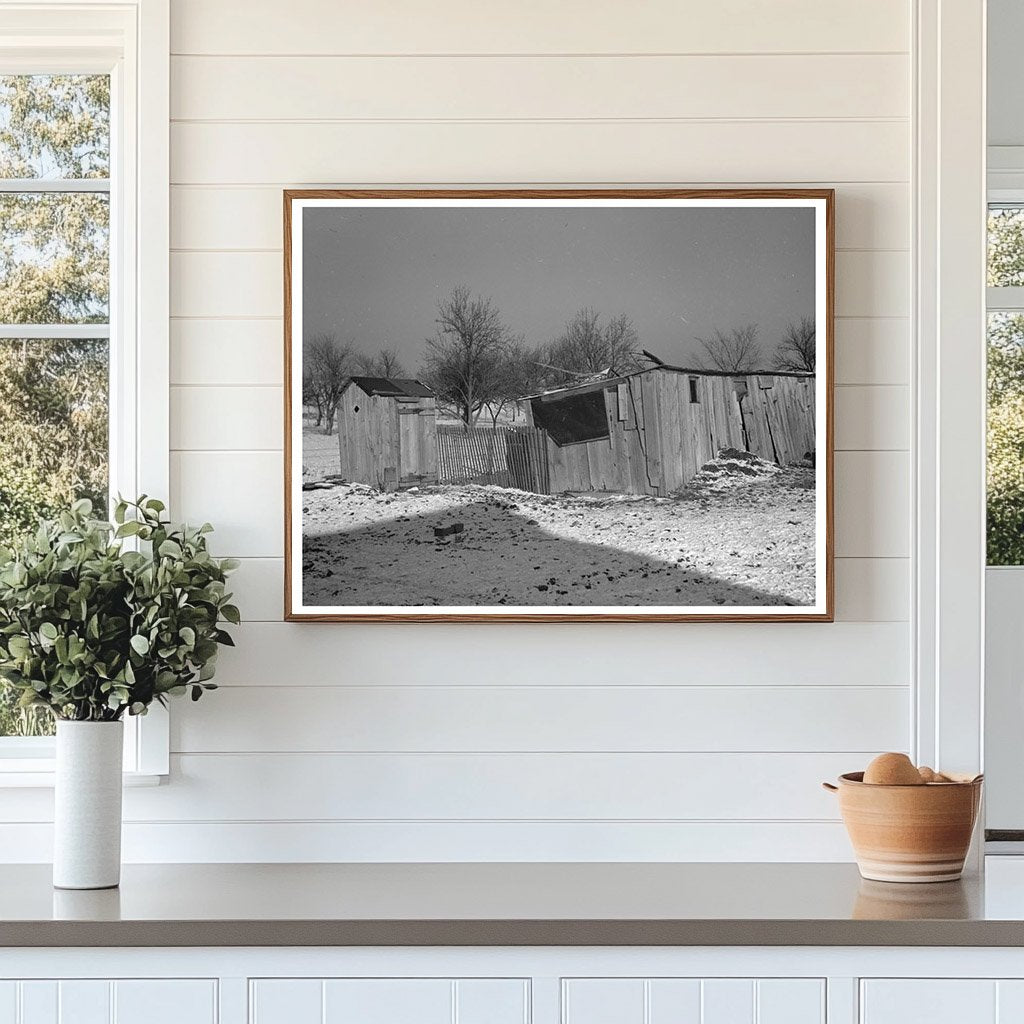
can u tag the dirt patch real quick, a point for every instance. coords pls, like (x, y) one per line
(720, 542)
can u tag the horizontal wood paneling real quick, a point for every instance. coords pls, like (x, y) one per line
(873, 283)
(538, 88)
(737, 92)
(233, 284)
(534, 152)
(867, 589)
(872, 589)
(872, 418)
(227, 352)
(873, 504)
(459, 787)
(750, 654)
(329, 841)
(577, 26)
(868, 216)
(629, 718)
(258, 586)
(242, 493)
(218, 418)
(873, 350)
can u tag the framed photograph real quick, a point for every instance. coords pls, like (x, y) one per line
(559, 405)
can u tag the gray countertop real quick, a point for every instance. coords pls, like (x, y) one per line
(506, 904)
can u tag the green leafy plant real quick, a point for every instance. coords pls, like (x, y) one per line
(91, 630)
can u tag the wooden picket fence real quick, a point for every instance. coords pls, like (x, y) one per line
(505, 457)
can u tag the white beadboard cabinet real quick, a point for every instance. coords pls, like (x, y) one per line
(104, 1001)
(696, 1000)
(513, 985)
(942, 1001)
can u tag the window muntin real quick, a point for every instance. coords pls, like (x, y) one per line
(54, 308)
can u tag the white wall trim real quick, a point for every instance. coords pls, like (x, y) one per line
(136, 50)
(950, 442)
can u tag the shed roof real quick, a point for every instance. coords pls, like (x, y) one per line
(393, 387)
(599, 384)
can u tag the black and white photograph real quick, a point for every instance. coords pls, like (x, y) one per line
(571, 406)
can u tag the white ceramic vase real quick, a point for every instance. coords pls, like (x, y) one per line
(87, 807)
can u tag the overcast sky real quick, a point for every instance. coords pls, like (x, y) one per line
(374, 276)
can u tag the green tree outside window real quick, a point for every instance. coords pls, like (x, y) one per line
(54, 271)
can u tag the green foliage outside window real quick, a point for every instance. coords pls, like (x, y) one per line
(54, 269)
(1005, 480)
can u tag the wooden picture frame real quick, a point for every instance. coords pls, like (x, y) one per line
(569, 414)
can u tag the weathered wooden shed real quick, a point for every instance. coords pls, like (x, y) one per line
(650, 432)
(387, 432)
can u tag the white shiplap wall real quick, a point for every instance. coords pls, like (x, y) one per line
(688, 741)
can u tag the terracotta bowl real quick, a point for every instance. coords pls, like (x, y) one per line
(909, 833)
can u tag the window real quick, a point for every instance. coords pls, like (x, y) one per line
(1005, 476)
(572, 418)
(694, 393)
(54, 308)
(83, 262)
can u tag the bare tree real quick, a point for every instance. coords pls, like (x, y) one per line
(464, 357)
(516, 374)
(390, 363)
(327, 366)
(586, 347)
(736, 352)
(386, 363)
(312, 397)
(798, 348)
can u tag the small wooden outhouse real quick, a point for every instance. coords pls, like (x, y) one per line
(387, 432)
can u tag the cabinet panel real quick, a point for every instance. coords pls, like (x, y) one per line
(674, 1000)
(1010, 1002)
(492, 1001)
(603, 1001)
(101, 1001)
(165, 1002)
(38, 1002)
(8, 1002)
(389, 1001)
(286, 1001)
(929, 1001)
(693, 1001)
(727, 1001)
(84, 1002)
(790, 1001)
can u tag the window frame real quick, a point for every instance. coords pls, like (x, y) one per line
(1002, 713)
(130, 41)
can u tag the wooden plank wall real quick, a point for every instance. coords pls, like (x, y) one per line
(417, 441)
(665, 438)
(368, 440)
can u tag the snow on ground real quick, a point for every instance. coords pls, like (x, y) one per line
(742, 533)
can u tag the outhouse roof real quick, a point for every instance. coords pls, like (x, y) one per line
(393, 387)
